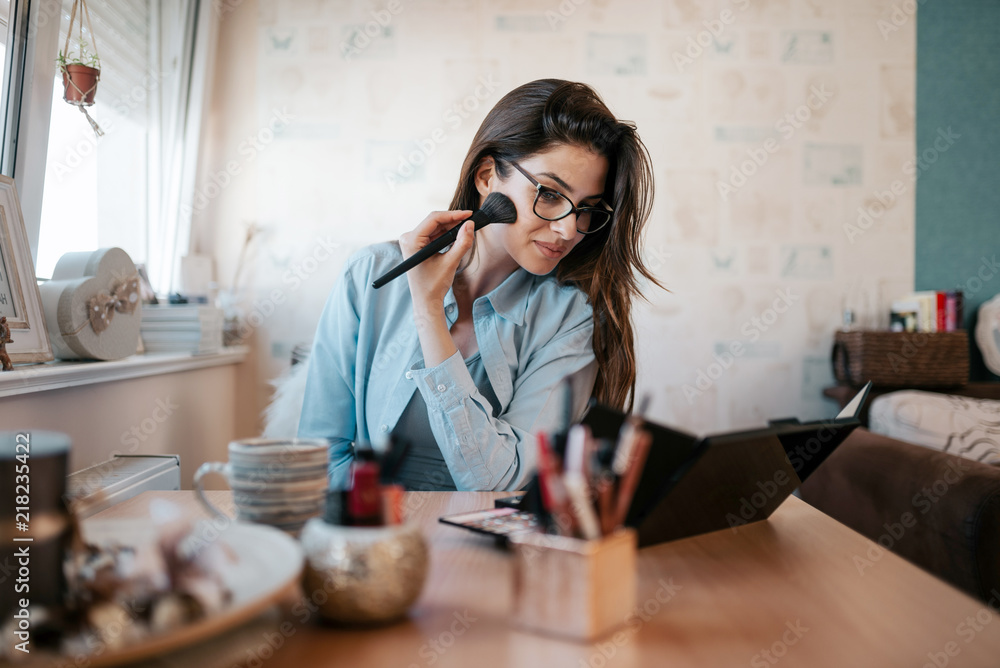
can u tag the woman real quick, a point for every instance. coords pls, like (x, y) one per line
(467, 359)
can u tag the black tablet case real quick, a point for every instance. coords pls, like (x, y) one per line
(692, 485)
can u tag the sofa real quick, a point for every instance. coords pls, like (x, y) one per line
(935, 509)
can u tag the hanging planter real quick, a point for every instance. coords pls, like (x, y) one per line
(80, 84)
(81, 69)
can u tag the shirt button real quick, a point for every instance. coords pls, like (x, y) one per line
(409, 374)
(442, 388)
(384, 428)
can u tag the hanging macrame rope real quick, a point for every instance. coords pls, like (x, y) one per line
(93, 36)
(82, 95)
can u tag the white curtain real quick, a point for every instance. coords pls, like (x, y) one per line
(186, 44)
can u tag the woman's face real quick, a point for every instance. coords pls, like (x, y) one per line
(536, 244)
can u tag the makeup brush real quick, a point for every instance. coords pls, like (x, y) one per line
(496, 209)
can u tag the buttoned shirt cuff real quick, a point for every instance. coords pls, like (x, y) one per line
(444, 386)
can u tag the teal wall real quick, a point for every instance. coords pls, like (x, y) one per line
(958, 188)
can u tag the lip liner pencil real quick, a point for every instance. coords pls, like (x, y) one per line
(605, 504)
(630, 481)
(553, 489)
(626, 437)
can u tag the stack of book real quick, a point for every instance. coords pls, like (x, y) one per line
(192, 328)
(928, 311)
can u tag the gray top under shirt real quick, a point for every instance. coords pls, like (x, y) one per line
(423, 467)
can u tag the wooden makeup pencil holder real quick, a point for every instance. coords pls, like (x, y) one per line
(574, 588)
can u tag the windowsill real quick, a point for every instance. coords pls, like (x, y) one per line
(62, 374)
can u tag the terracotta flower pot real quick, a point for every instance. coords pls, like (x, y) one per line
(80, 84)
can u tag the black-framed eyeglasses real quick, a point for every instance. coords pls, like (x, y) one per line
(550, 204)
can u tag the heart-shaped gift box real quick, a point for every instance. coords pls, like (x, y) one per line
(92, 305)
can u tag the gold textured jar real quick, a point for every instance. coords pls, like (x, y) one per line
(369, 574)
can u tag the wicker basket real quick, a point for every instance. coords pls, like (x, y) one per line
(901, 359)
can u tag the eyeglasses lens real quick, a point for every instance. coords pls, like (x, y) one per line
(552, 205)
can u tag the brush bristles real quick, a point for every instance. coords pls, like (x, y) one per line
(499, 209)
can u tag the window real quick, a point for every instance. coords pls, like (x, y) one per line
(130, 187)
(96, 190)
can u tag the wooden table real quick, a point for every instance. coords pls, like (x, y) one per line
(789, 591)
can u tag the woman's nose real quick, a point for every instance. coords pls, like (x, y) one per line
(565, 227)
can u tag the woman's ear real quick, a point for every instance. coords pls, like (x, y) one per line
(484, 175)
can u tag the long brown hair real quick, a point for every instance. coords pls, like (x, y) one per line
(605, 265)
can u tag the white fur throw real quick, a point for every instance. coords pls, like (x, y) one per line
(958, 425)
(281, 419)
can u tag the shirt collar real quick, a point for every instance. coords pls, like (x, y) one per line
(509, 299)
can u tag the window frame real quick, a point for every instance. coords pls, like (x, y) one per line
(33, 35)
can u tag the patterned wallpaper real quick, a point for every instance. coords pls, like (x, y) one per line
(782, 133)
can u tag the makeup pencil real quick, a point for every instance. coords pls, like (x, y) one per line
(576, 482)
(630, 481)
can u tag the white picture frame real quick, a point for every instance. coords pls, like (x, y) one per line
(20, 300)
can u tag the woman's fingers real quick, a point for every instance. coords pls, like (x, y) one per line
(464, 242)
(440, 222)
(430, 280)
(430, 228)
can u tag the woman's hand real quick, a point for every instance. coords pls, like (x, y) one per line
(431, 279)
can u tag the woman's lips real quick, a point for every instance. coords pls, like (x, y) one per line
(549, 250)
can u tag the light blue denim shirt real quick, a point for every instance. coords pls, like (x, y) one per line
(366, 362)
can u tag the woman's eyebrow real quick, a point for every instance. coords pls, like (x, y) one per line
(565, 185)
(558, 180)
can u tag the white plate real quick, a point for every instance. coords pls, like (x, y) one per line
(268, 566)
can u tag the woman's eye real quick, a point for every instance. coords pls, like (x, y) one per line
(549, 196)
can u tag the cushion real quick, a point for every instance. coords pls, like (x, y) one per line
(988, 334)
(961, 426)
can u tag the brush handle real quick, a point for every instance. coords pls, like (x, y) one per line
(481, 220)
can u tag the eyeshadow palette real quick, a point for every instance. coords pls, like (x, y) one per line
(496, 522)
